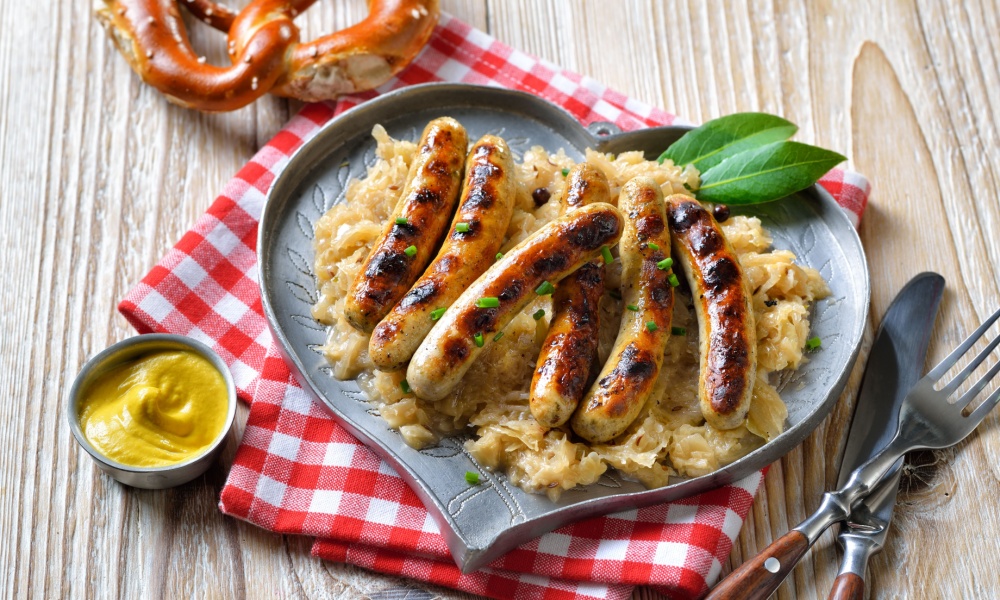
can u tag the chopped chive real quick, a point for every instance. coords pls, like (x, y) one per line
(497, 337)
(462, 227)
(410, 251)
(545, 289)
(814, 343)
(565, 172)
(606, 253)
(478, 339)
(538, 314)
(345, 164)
(678, 331)
(488, 302)
(665, 264)
(437, 312)
(673, 280)
(499, 255)
(471, 478)
(401, 221)
(616, 294)
(405, 386)
(652, 246)
(632, 307)
(651, 325)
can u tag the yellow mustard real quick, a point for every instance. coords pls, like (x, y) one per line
(159, 409)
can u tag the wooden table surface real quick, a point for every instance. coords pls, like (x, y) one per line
(99, 176)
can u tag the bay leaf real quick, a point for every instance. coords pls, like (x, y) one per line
(766, 173)
(718, 139)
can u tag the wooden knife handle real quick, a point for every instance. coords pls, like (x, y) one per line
(757, 578)
(847, 586)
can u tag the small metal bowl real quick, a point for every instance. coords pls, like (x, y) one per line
(153, 478)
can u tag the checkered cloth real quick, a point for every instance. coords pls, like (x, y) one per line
(298, 472)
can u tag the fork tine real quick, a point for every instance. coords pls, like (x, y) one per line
(984, 409)
(942, 367)
(957, 381)
(971, 394)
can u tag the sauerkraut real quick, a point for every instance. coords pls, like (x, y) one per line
(490, 406)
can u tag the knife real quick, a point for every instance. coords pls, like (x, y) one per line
(894, 365)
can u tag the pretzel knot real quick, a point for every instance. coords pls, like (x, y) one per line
(265, 50)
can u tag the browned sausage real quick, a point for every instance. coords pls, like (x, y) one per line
(427, 203)
(570, 348)
(485, 210)
(544, 258)
(626, 381)
(722, 301)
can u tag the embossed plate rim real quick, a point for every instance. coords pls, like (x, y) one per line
(300, 167)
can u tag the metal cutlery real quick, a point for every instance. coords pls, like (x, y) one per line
(894, 365)
(927, 420)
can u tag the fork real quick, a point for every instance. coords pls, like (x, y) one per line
(927, 420)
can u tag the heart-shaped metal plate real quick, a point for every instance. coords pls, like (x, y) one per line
(482, 522)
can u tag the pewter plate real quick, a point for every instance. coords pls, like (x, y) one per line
(482, 522)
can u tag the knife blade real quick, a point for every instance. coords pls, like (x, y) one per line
(894, 365)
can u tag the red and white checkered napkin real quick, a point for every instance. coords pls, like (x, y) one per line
(299, 472)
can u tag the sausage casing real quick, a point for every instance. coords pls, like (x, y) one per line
(486, 207)
(627, 379)
(723, 306)
(570, 347)
(465, 330)
(427, 203)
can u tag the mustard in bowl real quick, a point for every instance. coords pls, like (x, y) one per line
(153, 410)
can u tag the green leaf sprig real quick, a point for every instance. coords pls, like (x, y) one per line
(746, 158)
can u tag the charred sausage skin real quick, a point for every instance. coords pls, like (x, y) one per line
(486, 207)
(427, 203)
(627, 379)
(570, 347)
(722, 301)
(554, 251)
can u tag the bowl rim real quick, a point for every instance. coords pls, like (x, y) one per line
(105, 357)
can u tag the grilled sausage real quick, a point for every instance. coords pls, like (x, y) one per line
(554, 251)
(722, 301)
(570, 347)
(626, 381)
(427, 202)
(485, 209)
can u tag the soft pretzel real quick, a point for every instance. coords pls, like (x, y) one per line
(265, 50)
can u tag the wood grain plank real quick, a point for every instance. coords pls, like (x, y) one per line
(888, 233)
(99, 176)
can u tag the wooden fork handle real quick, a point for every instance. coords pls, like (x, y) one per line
(757, 578)
(847, 586)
